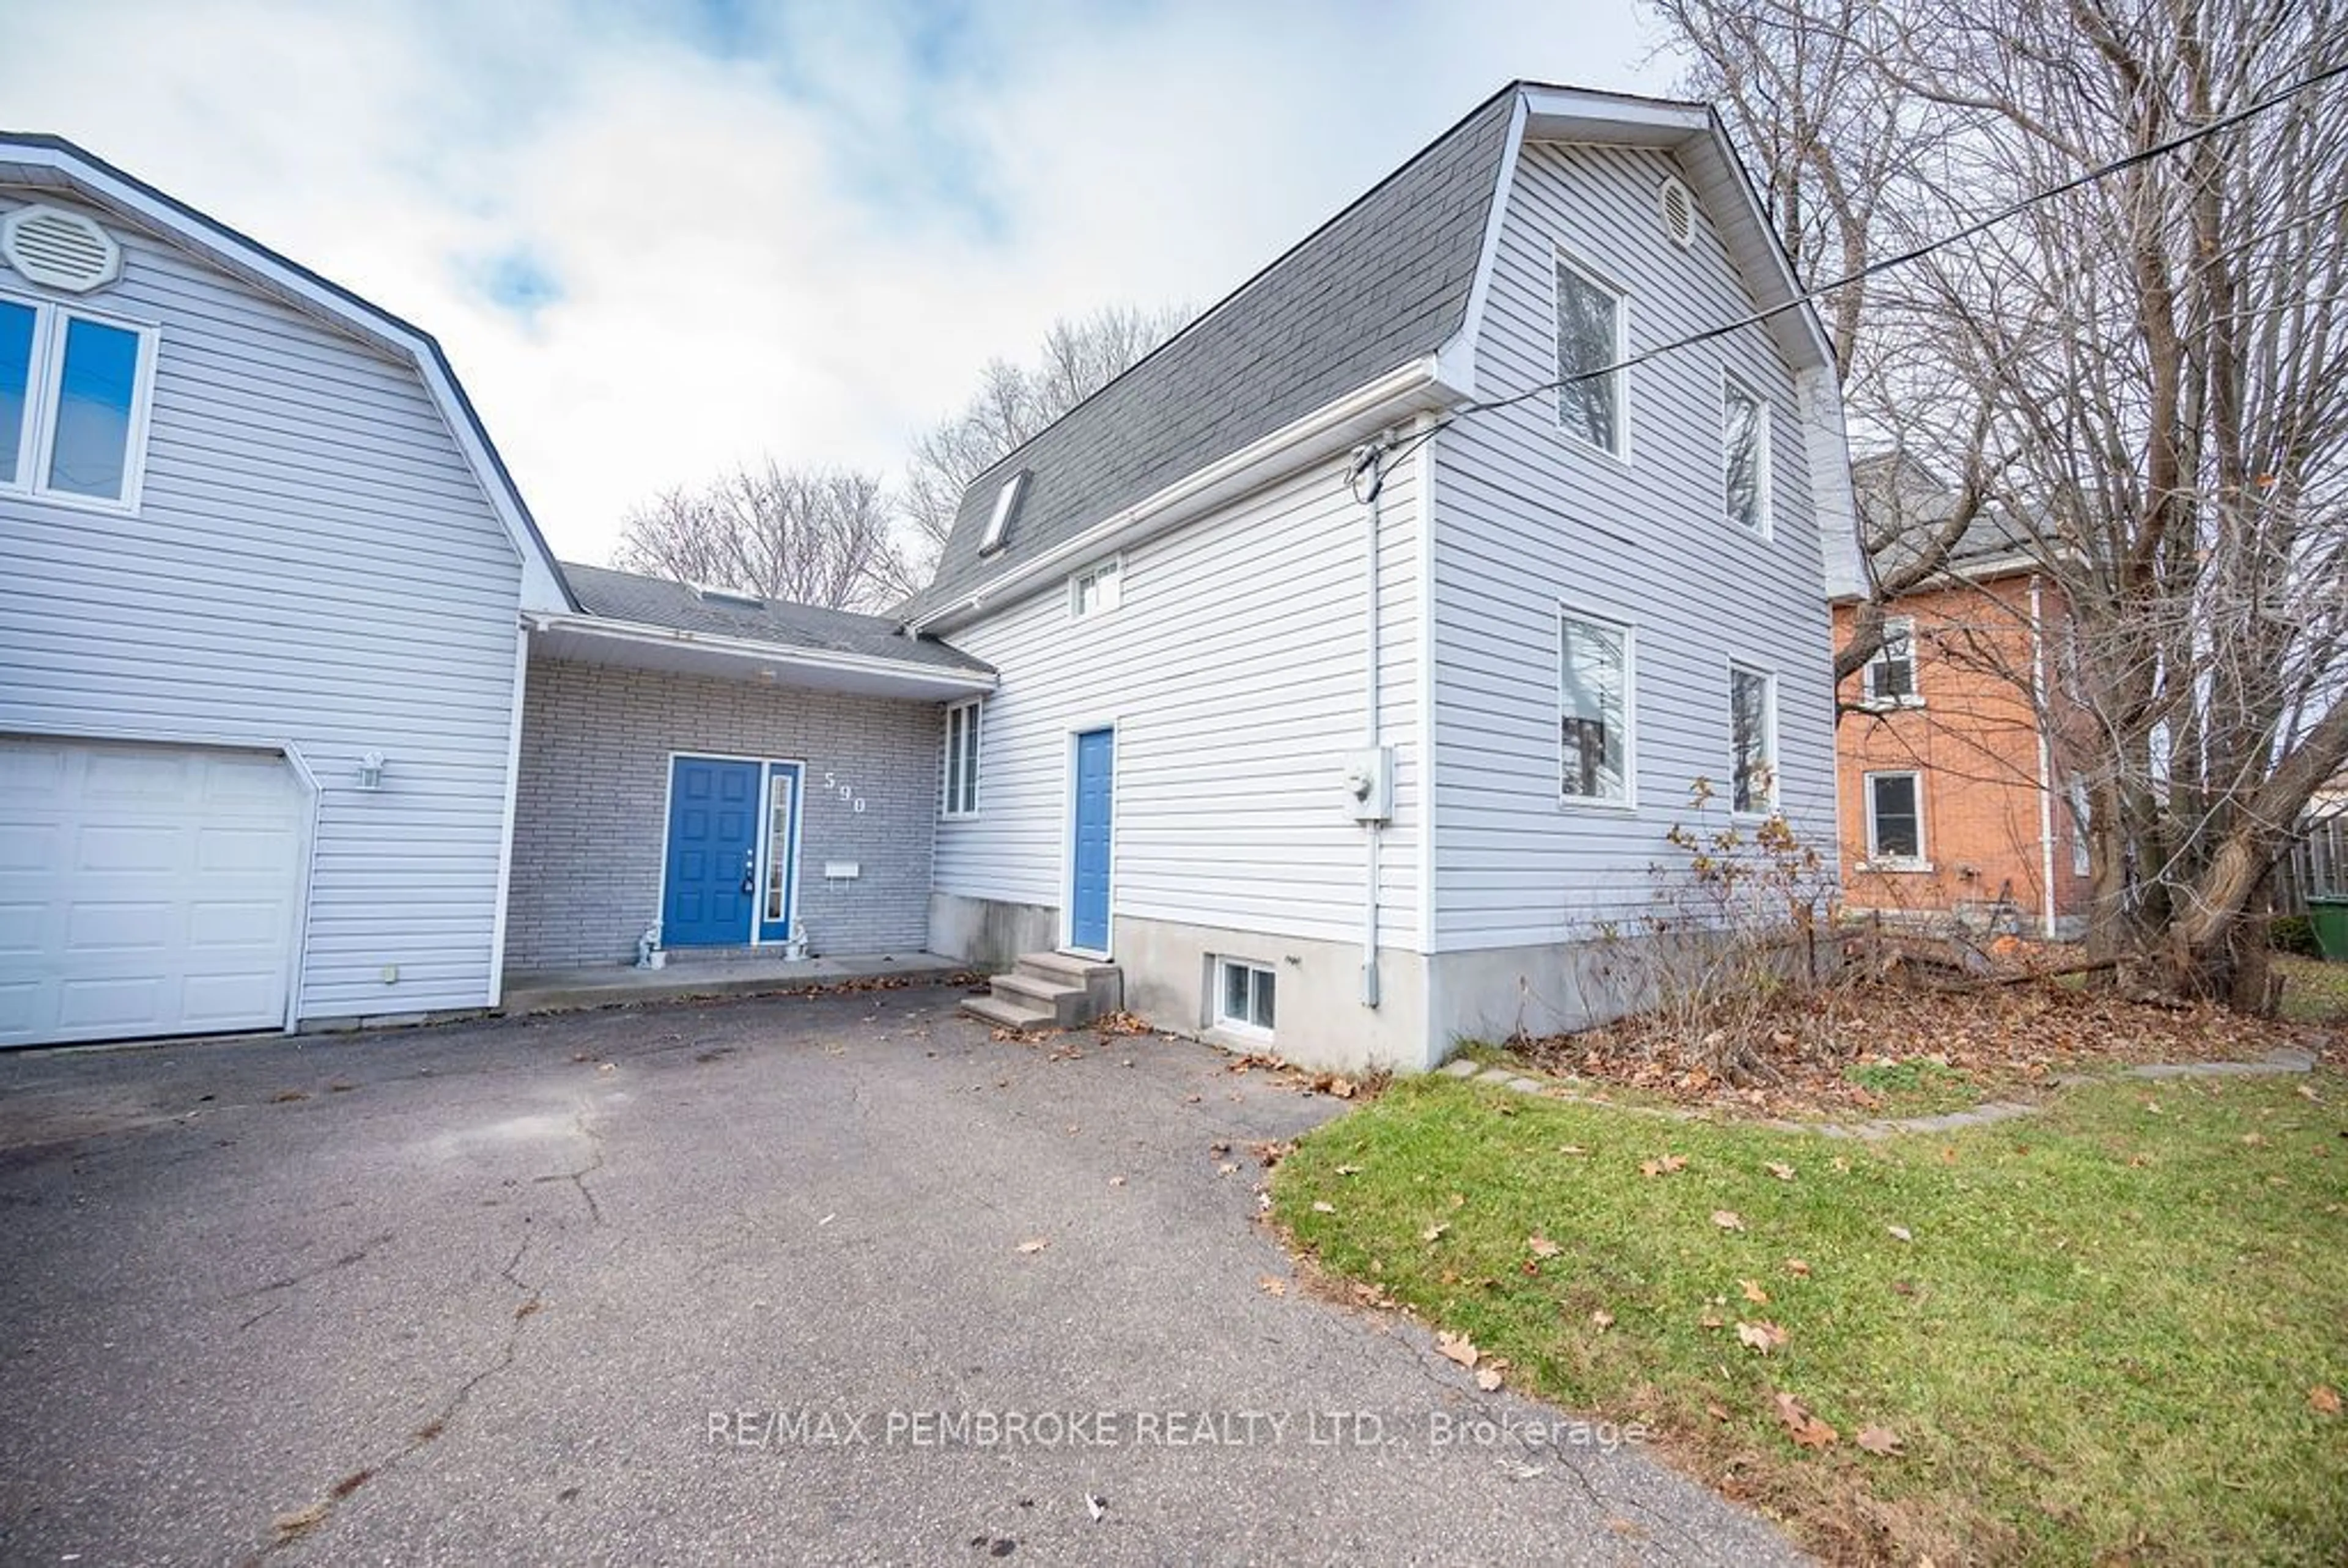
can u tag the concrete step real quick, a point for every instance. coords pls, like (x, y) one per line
(1005, 1014)
(1066, 968)
(1068, 1005)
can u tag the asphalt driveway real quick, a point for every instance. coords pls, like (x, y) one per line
(747, 1281)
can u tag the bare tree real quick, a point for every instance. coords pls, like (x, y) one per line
(800, 535)
(2148, 371)
(1012, 403)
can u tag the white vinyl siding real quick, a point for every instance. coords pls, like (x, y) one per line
(312, 562)
(1526, 521)
(1235, 673)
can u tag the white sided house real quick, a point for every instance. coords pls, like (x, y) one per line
(1267, 689)
(1351, 771)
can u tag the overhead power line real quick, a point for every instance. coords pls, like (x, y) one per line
(1807, 296)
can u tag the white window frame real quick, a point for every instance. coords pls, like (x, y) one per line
(1246, 1028)
(1771, 767)
(1904, 628)
(1876, 860)
(36, 442)
(1763, 526)
(1106, 578)
(1620, 380)
(1629, 633)
(2082, 857)
(961, 766)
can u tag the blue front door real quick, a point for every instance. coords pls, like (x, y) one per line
(1089, 900)
(713, 853)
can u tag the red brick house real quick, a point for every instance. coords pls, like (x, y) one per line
(1950, 794)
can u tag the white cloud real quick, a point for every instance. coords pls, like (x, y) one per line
(797, 229)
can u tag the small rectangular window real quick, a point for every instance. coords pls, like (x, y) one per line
(962, 760)
(1095, 590)
(97, 386)
(1593, 675)
(2082, 864)
(1244, 997)
(1895, 819)
(1752, 721)
(1589, 322)
(1891, 673)
(1745, 444)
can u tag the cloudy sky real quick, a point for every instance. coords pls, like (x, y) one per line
(658, 238)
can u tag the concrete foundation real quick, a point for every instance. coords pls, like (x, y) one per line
(988, 933)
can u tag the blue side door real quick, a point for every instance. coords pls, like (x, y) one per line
(1088, 901)
(713, 853)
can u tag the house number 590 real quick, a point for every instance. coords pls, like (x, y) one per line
(846, 792)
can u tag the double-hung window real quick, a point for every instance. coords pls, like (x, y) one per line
(1753, 725)
(1591, 319)
(1891, 673)
(73, 391)
(1593, 705)
(1744, 448)
(1895, 820)
(962, 760)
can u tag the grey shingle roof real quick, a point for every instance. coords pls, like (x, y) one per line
(1900, 496)
(1384, 283)
(655, 602)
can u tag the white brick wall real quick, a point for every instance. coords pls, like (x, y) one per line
(589, 834)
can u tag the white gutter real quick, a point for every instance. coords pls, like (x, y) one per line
(2045, 767)
(777, 654)
(1336, 423)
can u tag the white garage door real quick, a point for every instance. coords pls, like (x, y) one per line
(144, 890)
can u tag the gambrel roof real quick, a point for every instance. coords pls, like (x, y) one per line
(1394, 279)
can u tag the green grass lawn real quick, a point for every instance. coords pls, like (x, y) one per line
(2099, 1342)
(2314, 991)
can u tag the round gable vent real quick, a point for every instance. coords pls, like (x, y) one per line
(60, 250)
(1678, 210)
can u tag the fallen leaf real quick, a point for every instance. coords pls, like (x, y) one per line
(1433, 1233)
(1349, 1170)
(1663, 1166)
(1571, 1148)
(2323, 1399)
(1272, 1285)
(1762, 1337)
(1948, 1155)
(1717, 1411)
(1323, 1207)
(1902, 1287)
(1899, 1232)
(1458, 1200)
(1488, 1380)
(1457, 1348)
(1035, 1245)
(1881, 1441)
(1752, 1291)
(1711, 1319)
(1117, 1181)
(1542, 1247)
(1806, 1429)
(1602, 1319)
(1780, 1170)
(1796, 1266)
(1727, 1219)
(1227, 1169)
(2254, 1139)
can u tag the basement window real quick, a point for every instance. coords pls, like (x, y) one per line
(1245, 1000)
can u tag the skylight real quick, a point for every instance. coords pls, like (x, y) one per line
(711, 594)
(1007, 502)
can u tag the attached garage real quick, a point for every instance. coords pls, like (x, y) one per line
(146, 889)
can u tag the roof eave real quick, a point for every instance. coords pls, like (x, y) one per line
(97, 180)
(915, 679)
